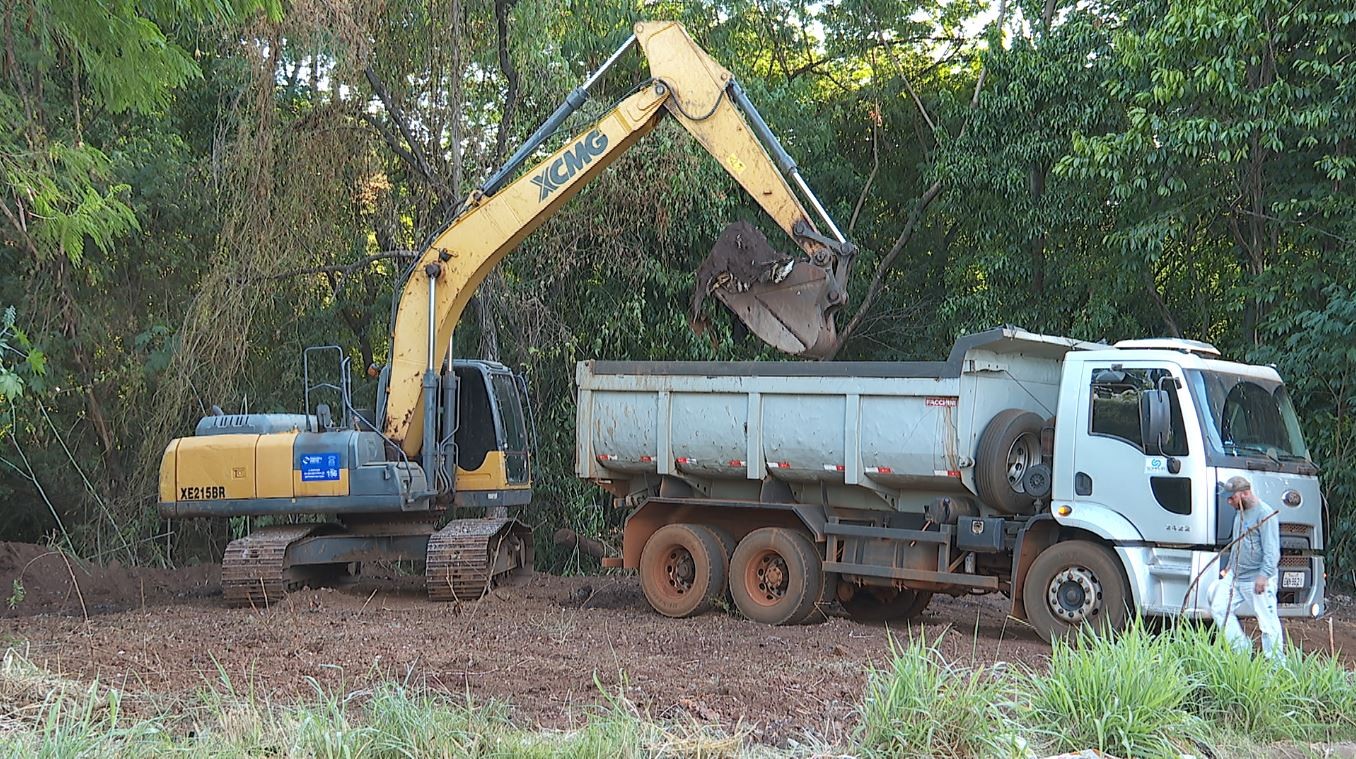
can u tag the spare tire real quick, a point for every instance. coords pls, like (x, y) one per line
(1011, 442)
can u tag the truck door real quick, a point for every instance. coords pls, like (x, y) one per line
(1113, 467)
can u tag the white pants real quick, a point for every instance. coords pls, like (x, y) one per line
(1229, 599)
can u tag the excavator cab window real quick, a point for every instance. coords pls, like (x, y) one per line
(511, 417)
(476, 432)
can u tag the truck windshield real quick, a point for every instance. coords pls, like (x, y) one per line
(1248, 416)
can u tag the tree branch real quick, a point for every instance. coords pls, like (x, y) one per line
(347, 269)
(910, 226)
(870, 179)
(984, 70)
(1163, 311)
(1048, 16)
(23, 232)
(393, 142)
(415, 154)
(918, 102)
(878, 281)
(501, 12)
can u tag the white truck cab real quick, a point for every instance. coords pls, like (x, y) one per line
(1147, 431)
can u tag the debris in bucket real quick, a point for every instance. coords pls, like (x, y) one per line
(740, 258)
(779, 298)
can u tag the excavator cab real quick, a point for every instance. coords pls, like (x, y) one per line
(493, 435)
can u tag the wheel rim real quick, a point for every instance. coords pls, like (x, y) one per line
(1075, 595)
(679, 571)
(1023, 453)
(766, 578)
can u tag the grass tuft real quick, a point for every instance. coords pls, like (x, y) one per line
(924, 706)
(1303, 697)
(1125, 696)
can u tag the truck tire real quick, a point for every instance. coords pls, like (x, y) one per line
(727, 544)
(682, 568)
(776, 576)
(886, 605)
(819, 611)
(727, 541)
(1010, 443)
(1072, 585)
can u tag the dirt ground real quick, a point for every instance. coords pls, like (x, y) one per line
(538, 644)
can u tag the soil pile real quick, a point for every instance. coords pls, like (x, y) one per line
(38, 579)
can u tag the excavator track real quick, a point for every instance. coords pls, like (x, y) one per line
(255, 571)
(468, 555)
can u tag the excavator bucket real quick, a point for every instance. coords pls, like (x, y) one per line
(780, 299)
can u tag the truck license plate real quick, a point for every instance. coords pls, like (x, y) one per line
(1292, 579)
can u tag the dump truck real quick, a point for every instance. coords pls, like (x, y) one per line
(1079, 479)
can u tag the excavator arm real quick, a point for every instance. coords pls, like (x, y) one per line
(788, 303)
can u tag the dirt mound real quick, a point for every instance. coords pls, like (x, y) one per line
(38, 579)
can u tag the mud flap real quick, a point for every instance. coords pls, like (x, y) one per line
(780, 299)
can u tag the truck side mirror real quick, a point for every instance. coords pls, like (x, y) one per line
(1154, 413)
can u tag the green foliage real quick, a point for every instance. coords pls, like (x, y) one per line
(1310, 341)
(62, 193)
(16, 594)
(923, 705)
(1127, 696)
(20, 352)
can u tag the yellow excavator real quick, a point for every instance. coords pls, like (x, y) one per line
(453, 437)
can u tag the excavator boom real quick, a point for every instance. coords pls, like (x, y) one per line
(787, 302)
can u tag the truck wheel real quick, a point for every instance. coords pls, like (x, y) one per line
(726, 540)
(886, 605)
(682, 567)
(1075, 584)
(727, 544)
(1010, 443)
(819, 609)
(776, 576)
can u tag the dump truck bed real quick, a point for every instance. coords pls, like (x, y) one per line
(895, 428)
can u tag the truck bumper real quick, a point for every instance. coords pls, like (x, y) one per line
(1173, 582)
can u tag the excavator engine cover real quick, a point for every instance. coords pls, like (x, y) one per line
(780, 299)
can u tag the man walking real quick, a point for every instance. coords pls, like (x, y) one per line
(1249, 584)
